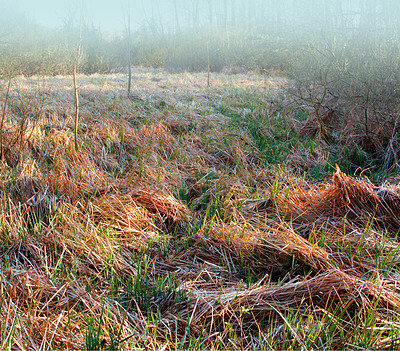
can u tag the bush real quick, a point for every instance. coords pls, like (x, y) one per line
(349, 86)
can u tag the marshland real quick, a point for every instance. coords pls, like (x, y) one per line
(209, 176)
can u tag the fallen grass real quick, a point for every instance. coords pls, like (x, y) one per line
(173, 228)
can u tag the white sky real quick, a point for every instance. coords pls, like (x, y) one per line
(106, 14)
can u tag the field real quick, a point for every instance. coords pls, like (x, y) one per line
(189, 217)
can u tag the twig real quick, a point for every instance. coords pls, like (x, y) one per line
(3, 115)
(76, 93)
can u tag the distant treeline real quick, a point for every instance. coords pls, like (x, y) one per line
(283, 15)
(254, 34)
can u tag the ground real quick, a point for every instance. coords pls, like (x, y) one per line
(186, 217)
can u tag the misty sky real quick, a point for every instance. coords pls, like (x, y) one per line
(105, 14)
(111, 15)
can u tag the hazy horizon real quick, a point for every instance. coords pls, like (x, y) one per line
(180, 14)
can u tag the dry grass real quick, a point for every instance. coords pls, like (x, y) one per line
(345, 198)
(167, 231)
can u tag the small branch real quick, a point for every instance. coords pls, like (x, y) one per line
(3, 116)
(128, 29)
(208, 66)
(129, 77)
(76, 111)
(76, 93)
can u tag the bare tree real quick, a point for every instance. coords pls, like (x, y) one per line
(177, 23)
(76, 92)
(128, 38)
(3, 115)
(210, 12)
(195, 13)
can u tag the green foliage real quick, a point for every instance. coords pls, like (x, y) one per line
(144, 294)
(93, 335)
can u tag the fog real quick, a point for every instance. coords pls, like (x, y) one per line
(111, 16)
(42, 35)
(105, 15)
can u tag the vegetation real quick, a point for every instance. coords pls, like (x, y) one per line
(237, 190)
(187, 220)
(344, 75)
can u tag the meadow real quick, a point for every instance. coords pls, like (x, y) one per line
(191, 217)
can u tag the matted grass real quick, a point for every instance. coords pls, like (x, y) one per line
(178, 226)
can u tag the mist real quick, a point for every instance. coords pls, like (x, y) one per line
(40, 37)
(174, 15)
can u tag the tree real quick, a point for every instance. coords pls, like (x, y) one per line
(76, 92)
(128, 38)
